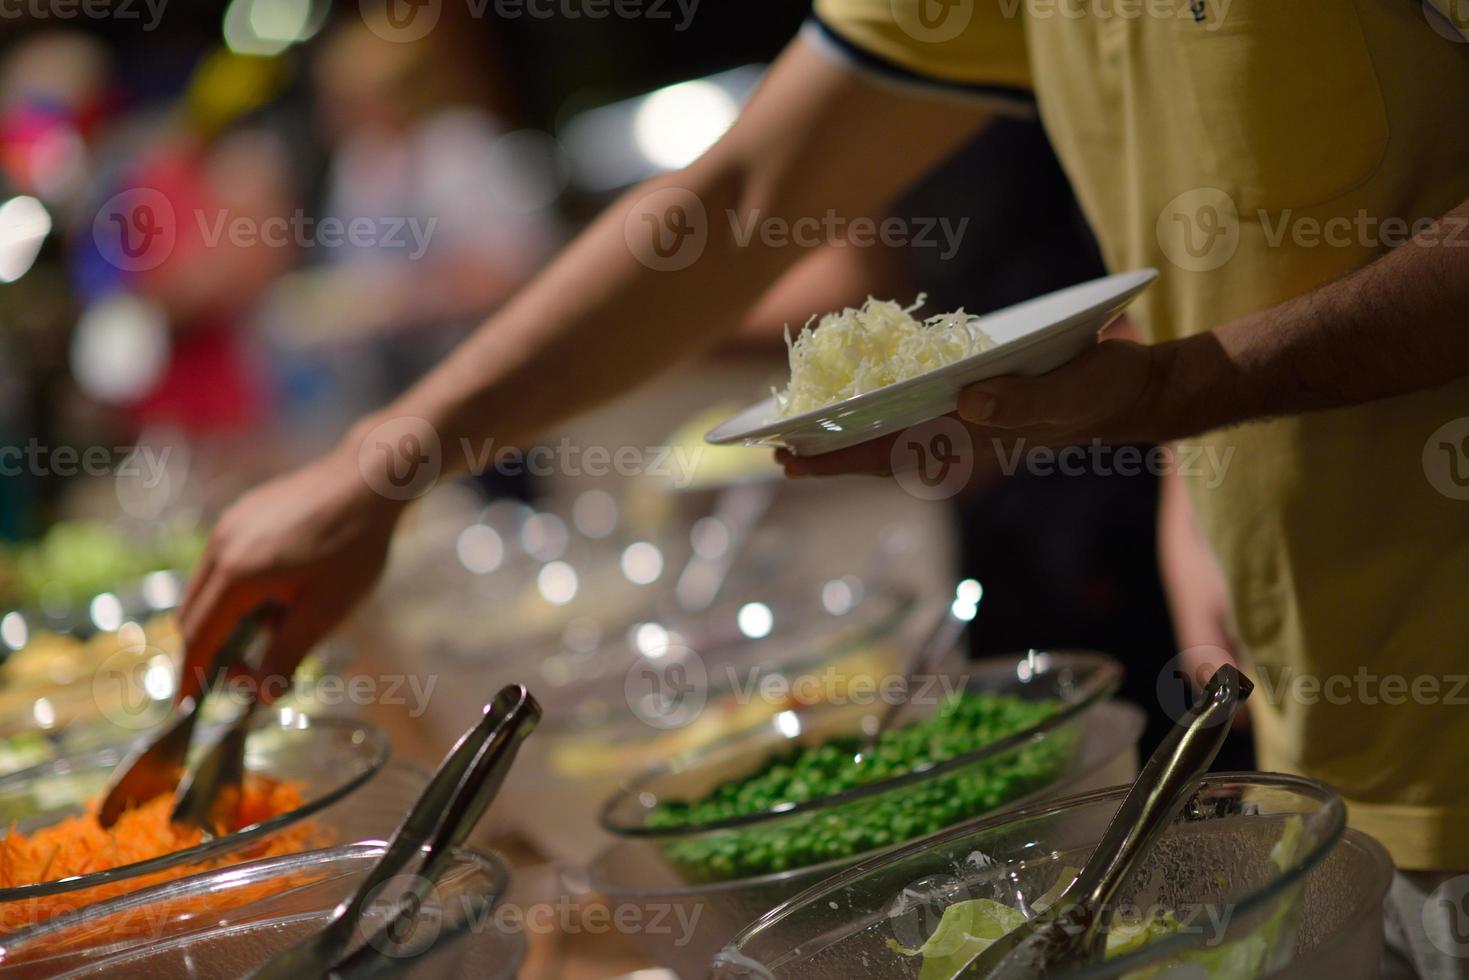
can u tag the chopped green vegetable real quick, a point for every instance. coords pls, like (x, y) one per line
(75, 560)
(966, 930)
(970, 927)
(962, 725)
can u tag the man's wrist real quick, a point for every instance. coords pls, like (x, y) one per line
(387, 460)
(1197, 388)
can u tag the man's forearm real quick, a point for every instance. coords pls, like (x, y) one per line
(1398, 325)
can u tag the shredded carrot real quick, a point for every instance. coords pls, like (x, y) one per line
(80, 845)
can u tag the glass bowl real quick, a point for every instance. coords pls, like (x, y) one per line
(224, 923)
(330, 759)
(605, 721)
(634, 872)
(498, 598)
(56, 681)
(1231, 868)
(62, 693)
(1340, 934)
(975, 782)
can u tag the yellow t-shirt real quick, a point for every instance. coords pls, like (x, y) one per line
(1252, 150)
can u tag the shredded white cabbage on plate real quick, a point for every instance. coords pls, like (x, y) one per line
(860, 350)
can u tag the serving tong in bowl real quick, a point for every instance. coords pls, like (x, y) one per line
(156, 766)
(441, 819)
(1071, 930)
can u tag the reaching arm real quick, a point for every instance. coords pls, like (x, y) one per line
(611, 311)
(599, 320)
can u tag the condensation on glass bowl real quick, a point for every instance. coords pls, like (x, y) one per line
(633, 871)
(223, 924)
(1220, 868)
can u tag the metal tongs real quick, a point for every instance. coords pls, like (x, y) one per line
(460, 790)
(156, 767)
(1072, 930)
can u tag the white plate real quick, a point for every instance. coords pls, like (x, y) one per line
(1031, 338)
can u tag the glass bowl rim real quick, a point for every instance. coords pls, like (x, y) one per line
(73, 618)
(830, 867)
(248, 873)
(378, 751)
(905, 604)
(1106, 678)
(1332, 807)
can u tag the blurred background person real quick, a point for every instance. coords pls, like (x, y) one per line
(456, 218)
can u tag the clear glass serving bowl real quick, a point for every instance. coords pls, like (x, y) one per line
(224, 923)
(497, 599)
(980, 780)
(330, 759)
(604, 721)
(1095, 737)
(1232, 868)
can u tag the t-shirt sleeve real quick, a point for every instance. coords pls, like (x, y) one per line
(965, 48)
